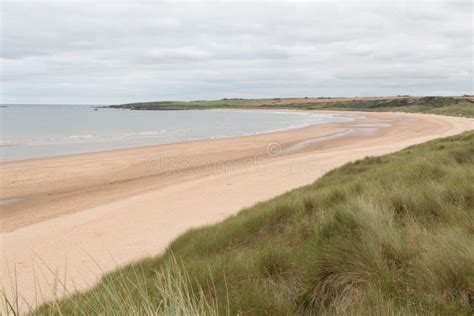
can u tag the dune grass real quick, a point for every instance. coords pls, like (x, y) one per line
(384, 235)
(127, 293)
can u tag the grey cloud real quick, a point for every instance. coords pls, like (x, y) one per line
(80, 52)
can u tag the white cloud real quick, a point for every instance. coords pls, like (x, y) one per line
(116, 52)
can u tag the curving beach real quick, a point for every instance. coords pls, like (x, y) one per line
(72, 218)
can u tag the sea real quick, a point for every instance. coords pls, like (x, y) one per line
(35, 131)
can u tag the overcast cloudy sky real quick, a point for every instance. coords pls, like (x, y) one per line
(117, 52)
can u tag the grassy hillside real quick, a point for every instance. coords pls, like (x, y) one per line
(386, 235)
(455, 106)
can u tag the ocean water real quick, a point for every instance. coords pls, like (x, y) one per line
(33, 131)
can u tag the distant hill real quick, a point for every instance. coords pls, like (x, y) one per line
(453, 106)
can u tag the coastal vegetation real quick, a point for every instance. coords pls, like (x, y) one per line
(454, 106)
(382, 235)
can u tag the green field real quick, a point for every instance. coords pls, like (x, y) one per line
(383, 235)
(454, 106)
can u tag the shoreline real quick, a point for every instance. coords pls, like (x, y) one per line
(98, 146)
(120, 205)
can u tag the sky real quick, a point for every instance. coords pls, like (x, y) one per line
(112, 52)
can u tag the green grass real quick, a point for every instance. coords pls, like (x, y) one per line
(383, 235)
(200, 104)
(453, 106)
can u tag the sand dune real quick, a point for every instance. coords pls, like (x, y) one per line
(76, 213)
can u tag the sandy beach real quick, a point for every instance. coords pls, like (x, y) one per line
(71, 218)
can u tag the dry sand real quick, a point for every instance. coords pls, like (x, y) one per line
(81, 215)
